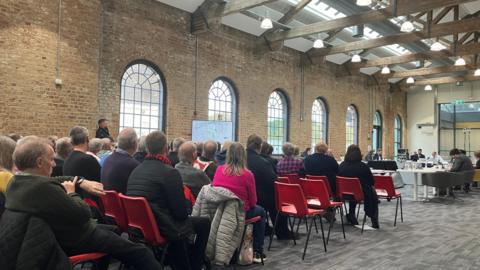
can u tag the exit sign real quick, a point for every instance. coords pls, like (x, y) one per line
(458, 101)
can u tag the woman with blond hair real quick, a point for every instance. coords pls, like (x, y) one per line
(235, 176)
(7, 146)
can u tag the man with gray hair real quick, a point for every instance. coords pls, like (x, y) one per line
(320, 163)
(192, 177)
(206, 162)
(79, 163)
(94, 146)
(173, 155)
(63, 148)
(32, 191)
(289, 164)
(118, 166)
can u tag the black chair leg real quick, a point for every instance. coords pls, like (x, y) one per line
(292, 229)
(315, 224)
(323, 234)
(358, 211)
(396, 213)
(364, 220)
(273, 232)
(401, 209)
(309, 230)
(341, 219)
(329, 229)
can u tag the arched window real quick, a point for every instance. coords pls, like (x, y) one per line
(221, 103)
(397, 135)
(277, 121)
(319, 121)
(142, 98)
(351, 126)
(377, 131)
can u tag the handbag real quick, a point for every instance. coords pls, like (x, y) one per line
(245, 256)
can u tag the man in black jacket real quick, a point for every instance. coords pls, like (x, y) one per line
(102, 131)
(320, 163)
(265, 178)
(158, 182)
(32, 191)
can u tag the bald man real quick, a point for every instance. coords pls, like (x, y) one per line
(192, 177)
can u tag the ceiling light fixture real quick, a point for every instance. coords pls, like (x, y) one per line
(437, 46)
(266, 23)
(428, 87)
(477, 72)
(407, 27)
(364, 2)
(356, 58)
(460, 62)
(410, 80)
(318, 43)
(385, 70)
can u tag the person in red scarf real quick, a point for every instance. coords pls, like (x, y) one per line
(158, 182)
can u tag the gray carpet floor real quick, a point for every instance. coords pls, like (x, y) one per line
(434, 235)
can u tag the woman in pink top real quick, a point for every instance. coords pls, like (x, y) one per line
(235, 177)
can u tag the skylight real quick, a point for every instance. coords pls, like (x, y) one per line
(327, 12)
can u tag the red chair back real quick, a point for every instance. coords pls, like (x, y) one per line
(113, 208)
(291, 194)
(325, 179)
(349, 186)
(283, 179)
(140, 216)
(317, 189)
(385, 182)
(293, 178)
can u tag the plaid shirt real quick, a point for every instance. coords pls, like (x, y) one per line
(289, 165)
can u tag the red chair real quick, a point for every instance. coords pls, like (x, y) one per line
(87, 257)
(352, 187)
(386, 190)
(324, 178)
(293, 178)
(140, 217)
(291, 201)
(112, 207)
(317, 193)
(283, 179)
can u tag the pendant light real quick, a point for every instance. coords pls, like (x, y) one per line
(460, 62)
(428, 87)
(318, 43)
(266, 22)
(356, 58)
(437, 46)
(410, 80)
(477, 72)
(364, 2)
(407, 27)
(385, 70)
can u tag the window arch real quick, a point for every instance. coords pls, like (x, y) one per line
(351, 122)
(277, 120)
(142, 98)
(377, 131)
(222, 103)
(397, 135)
(319, 121)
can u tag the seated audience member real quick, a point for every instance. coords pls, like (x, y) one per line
(436, 158)
(266, 151)
(32, 191)
(330, 153)
(235, 177)
(320, 163)
(94, 147)
(141, 150)
(79, 163)
(265, 178)
(106, 151)
(192, 177)
(102, 131)
(173, 155)
(63, 149)
(53, 141)
(461, 163)
(15, 137)
(378, 155)
(477, 156)
(120, 164)
(206, 162)
(222, 154)
(161, 184)
(306, 152)
(354, 167)
(289, 164)
(199, 148)
(7, 146)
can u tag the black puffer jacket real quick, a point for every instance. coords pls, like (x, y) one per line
(28, 243)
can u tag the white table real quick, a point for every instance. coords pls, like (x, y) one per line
(417, 179)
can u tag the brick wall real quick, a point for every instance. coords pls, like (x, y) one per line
(100, 39)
